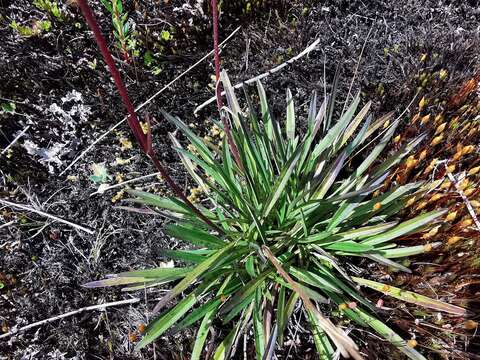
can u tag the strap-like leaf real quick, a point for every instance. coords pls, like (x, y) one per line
(281, 183)
(290, 123)
(193, 275)
(411, 297)
(196, 237)
(405, 228)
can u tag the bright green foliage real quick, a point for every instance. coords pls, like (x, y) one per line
(165, 35)
(293, 215)
(7, 107)
(38, 27)
(50, 7)
(121, 28)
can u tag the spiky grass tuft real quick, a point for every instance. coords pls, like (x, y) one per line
(292, 215)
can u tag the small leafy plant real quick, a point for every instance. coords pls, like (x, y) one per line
(36, 29)
(291, 215)
(51, 8)
(121, 27)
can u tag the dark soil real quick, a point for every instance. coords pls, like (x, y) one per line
(68, 102)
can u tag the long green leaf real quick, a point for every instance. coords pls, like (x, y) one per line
(408, 250)
(349, 246)
(281, 183)
(290, 124)
(387, 333)
(324, 348)
(193, 275)
(196, 237)
(405, 228)
(411, 297)
(160, 325)
(225, 346)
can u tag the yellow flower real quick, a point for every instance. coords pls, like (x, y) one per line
(377, 206)
(431, 233)
(463, 184)
(412, 343)
(421, 205)
(436, 140)
(457, 156)
(425, 119)
(411, 201)
(397, 138)
(343, 307)
(451, 168)
(474, 170)
(442, 74)
(453, 240)
(118, 177)
(192, 149)
(451, 216)
(117, 196)
(468, 149)
(422, 103)
(436, 197)
(438, 118)
(469, 192)
(427, 247)
(120, 161)
(446, 185)
(126, 144)
(411, 162)
(144, 127)
(423, 154)
(440, 128)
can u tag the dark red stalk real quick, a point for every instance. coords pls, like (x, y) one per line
(218, 90)
(143, 139)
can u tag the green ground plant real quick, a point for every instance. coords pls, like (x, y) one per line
(121, 28)
(284, 219)
(50, 7)
(38, 27)
(292, 215)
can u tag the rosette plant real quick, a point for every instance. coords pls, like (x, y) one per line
(286, 216)
(289, 218)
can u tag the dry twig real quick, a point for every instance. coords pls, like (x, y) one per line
(71, 313)
(50, 216)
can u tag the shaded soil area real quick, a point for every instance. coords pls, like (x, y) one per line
(64, 100)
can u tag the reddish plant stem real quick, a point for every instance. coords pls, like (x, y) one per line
(218, 90)
(143, 139)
